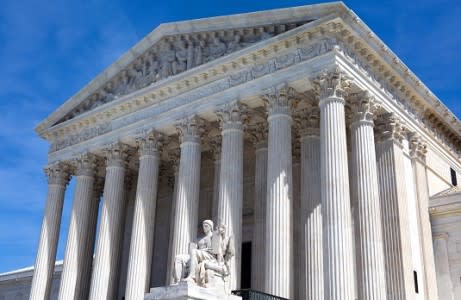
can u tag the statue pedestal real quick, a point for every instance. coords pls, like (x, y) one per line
(187, 291)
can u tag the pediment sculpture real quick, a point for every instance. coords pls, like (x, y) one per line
(207, 263)
(173, 55)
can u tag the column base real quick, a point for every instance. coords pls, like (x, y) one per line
(187, 291)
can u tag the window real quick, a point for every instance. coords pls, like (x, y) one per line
(454, 180)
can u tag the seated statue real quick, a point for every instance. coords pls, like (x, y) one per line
(207, 263)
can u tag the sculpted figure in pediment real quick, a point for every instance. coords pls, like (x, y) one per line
(191, 61)
(121, 84)
(166, 57)
(180, 64)
(139, 71)
(150, 70)
(234, 44)
(216, 48)
(200, 51)
(107, 93)
(94, 100)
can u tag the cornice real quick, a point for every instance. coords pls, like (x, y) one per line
(238, 21)
(255, 61)
(445, 209)
(399, 82)
(355, 41)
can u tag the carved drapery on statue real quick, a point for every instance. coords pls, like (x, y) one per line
(207, 263)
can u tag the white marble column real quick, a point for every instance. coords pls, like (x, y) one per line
(215, 143)
(297, 251)
(279, 215)
(259, 137)
(58, 177)
(445, 285)
(125, 242)
(98, 188)
(393, 199)
(418, 160)
(142, 235)
(72, 276)
(370, 256)
(311, 263)
(188, 187)
(173, 157)
(230, 201)
(104, 279)
(336, 211)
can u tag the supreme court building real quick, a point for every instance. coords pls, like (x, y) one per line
(333, 166)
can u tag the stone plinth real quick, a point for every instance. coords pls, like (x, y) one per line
(187, 291)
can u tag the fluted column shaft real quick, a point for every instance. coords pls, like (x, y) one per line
(72, 278)
(215, 143)
(127, 227)
(418, 155)
(336, 210)
(98, 187)
(142, 236)
(393, 199)
(259, 234)
(231, 184)
(175, 164)
(187, 194)
(104, 279)
(311, 287)
(370, 256)
(445, 285)
(58, 177)
(297, 251)
(215, 204)
(279, 215)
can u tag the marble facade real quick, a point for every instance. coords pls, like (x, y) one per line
(296, 127)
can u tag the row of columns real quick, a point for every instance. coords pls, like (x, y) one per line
(326, 252)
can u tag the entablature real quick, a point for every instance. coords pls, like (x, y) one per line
(351, 44)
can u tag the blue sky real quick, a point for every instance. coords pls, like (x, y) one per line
(51, 49)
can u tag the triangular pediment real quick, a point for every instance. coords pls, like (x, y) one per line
(174, 48)
(173, 55)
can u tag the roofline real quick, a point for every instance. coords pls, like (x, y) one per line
(172, 28)
(15, 274)
(394, 62)
(451, 191)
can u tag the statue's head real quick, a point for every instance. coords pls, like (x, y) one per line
(222, 229)
(207, 226)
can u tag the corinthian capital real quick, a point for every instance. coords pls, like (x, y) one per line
(307, 121)
(331, 84)
(258, 134)
(190, 129)
(58, 173)
(233, 115)
(173, 157)
(279, 100)
(389, 127)
(86, 164)
(116, 155)
(215, 142)
(418, 147)
(150, 143)
(363, 107)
